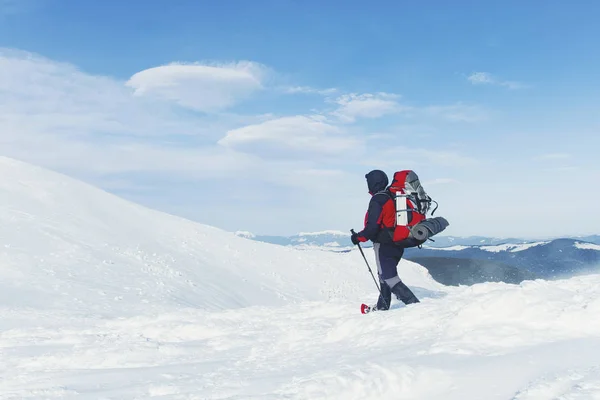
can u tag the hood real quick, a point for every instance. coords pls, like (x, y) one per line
(377, 181)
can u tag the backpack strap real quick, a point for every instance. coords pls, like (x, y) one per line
(385, 192)
(436, 206)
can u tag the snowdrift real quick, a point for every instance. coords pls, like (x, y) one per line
(102, 298)
(68, 245)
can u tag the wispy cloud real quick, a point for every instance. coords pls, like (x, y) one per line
(279, 137)
(485, 78)
(57, 116)
(367, 105)
(309, 90)
(201, 87)
(43, 97)
(182, 122)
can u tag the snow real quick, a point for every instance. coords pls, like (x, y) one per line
(587, 246)
(103, 299)
(69, 245)
(513, 248)
(245, 234)
(325, 248)
(449, 248)
(323, 233)
(575, 384)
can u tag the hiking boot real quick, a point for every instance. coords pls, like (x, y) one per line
(404, 294)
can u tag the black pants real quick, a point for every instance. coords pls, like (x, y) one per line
(388, 257)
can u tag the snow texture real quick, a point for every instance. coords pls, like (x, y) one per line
(513, 248)
(103, 299)
(245, 234)
(510, 247)
(328, 232)
(450, 248)
(587, 246)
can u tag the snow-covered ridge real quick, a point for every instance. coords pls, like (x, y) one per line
(329, 240)
(450, 248)
(245, 234)
(68, 244)
(513, 248)
(327, 232)
(102, 298)
(441, 242)
(587, 246)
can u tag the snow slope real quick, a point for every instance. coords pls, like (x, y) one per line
(329, 240)
(103, 299)
(538, 341)
(68, 245)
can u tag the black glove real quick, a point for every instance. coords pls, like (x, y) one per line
(354, 238)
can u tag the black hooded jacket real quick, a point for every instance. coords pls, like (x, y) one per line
(377, 182)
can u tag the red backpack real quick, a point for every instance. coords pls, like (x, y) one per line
(411, 203)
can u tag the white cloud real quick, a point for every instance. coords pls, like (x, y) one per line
(44, 97)
(92, 159)
(93, 127)
(54, 115)
(481, 78)
(202, 87)
(309, 90)
(485, 78)
(353, 106)
(282, 136)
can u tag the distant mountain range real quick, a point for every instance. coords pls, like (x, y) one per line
(546, 259)
(455, 260)
(447, 241)
(338, 240)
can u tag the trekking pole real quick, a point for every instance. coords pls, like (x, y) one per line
(369, 267)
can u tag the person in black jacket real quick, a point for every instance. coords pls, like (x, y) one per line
(378, 226)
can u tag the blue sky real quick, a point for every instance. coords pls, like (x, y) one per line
(265, 115)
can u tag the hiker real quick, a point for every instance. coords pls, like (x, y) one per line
(396, 220)
(379, 226)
